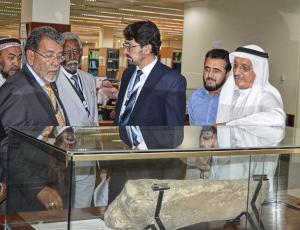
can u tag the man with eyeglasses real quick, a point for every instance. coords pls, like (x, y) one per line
(10, 58)
(151, 94)
(30, 98)
(203, 103)
(250, 101)
(248, 98)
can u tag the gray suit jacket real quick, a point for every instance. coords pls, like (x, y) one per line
(75, 110)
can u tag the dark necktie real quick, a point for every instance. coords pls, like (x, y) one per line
(135, 141)
(131, 100)
(76, 83)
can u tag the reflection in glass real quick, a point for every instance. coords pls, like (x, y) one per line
(207, 139)
(37, 176)
(237, 167)
(153, 138)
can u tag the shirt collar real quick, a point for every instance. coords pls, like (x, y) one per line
(37, 78)
(147, 69)
(2, 79)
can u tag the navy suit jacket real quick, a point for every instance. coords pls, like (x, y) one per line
(161, 101)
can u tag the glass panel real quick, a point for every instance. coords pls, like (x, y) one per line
(285, 203)
(114, 140)
(38, 182)
(211, 173)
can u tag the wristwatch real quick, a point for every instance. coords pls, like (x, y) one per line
(1, 189)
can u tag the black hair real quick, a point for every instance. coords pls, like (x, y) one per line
(219, 54)
(144, 33)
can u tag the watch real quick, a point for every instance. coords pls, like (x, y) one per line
(1, 189)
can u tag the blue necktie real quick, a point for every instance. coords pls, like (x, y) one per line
(135, 141)
(131, 100)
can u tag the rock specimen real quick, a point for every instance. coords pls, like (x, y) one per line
(187, 202)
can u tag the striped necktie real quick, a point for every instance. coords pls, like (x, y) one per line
(131, 100)
(135, 142)
(76, 83)
(58, 114)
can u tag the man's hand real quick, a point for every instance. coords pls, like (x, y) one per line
(2, 192)
(50, 198)
(109, 90)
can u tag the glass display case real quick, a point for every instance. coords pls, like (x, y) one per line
(153, 178)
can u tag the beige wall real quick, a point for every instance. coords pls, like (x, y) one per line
(272, 24)
(54, 11)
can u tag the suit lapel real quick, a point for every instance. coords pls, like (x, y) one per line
(153, 78)
(40, 95)
(70, 90)
(124, 85)
(83, 85)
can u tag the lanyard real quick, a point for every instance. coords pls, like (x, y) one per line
(80, 95)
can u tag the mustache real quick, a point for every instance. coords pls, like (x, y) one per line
(15, 68)
(72, 62)
(54, 70)
(209, 78)
(239, 78)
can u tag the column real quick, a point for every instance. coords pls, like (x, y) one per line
(55, 13)
(106, 38)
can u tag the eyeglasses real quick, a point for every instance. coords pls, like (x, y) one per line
(74, 52)
(129, 47)
(50, 57)
(243, 68)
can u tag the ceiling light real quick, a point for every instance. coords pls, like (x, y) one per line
(151, 12)
(98, 16)
(162, 8)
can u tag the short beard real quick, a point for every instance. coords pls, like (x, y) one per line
(49, 79)
(213, 88)
(4, 74)
(139, 60)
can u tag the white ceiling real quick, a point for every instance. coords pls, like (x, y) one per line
(87, 16)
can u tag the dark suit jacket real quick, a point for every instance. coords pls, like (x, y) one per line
(155, 138)
(161, 100)
(23, 102)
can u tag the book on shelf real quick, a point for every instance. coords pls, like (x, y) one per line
(94, 54)
(94, 72)
(113, 53)
(93, 64)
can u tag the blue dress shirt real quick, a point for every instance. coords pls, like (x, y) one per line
(203, 108)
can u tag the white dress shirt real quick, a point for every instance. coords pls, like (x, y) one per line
(2, 80)
(146, 71)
